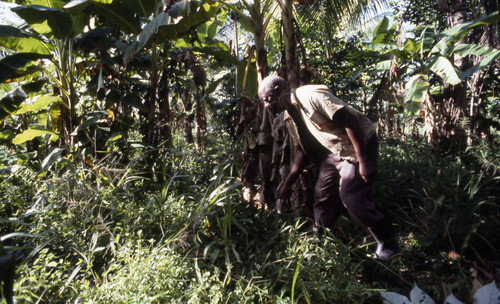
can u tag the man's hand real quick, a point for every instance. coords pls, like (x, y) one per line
(285, 191)
(367, 170)
(299, 163)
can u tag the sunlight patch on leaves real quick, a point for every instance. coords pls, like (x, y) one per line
(29, 135)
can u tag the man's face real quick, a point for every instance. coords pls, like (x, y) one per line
(274, 105)
(272, 101)
(269, 100)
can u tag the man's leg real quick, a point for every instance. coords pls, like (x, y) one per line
(356, 196)
(327, 203)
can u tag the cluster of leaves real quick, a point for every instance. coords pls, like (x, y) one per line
(81, 73)
(425, 60)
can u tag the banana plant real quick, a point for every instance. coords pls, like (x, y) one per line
(53, 26)
(160, 38)
(430, 54)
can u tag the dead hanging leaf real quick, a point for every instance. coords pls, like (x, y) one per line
(199, 75)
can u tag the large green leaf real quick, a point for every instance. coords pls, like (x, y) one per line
(471, 49)
(10, 65)
(384, 65)
(482, 64)
(203, 14)
(29, 135)
(220, 52)
(99, 37)
(450, 37)
(145, 36)
(34, 86)
(207, 31)
(445, 69)
(52, 157)
(411, 46)
(41, 103)
(384, 48)
(160, 29)
(22, 41)
(58, 4)
(381, 47)
(92, 119)
(442, 45)
(251, 84)
(462, 29)
(10, 102)
(75, 7)
(112, 11)
(214, 83)
(412, 108)
(50, 22)
(382, 27)
(427, 40)
(6, 135)
(143, 8)
(417, 87)
(183, 8)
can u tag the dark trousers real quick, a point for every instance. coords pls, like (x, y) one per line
(339, 183)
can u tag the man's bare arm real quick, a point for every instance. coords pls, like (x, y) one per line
(299, 164)
(350, 123)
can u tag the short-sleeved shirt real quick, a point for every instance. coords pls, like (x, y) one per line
(318, 106)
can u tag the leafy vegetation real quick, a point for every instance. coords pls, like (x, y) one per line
(109, 233)
(136, 164)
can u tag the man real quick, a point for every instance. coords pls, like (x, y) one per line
(341, 142)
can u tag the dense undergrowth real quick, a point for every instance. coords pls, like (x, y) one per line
(115, 231)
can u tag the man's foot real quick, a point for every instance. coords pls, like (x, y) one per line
(387, 244)
(383, 251)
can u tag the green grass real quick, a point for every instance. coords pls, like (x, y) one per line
(110, 232)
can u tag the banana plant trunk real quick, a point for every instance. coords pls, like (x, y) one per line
(164, 115)
(187, 120)
(67, 91)
(150, 118)
(292, 65)
(479, 128)
(201, 121)
(450, 135)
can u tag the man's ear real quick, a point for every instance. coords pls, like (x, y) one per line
(277, 91)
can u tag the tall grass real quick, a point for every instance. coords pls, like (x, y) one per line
(107, 231)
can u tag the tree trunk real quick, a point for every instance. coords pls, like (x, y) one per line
(479, 127)
(292, 64)
(187, 120)
(451, 137)
(429, 122)
(201, 121)
(258, 147)
(261, 55)
(283, 154)
(165, 132)
(151, 106)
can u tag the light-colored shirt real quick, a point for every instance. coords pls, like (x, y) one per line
(318, 106)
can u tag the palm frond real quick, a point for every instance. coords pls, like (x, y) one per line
(334, 16)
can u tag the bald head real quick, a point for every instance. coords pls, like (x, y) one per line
(271, 88)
